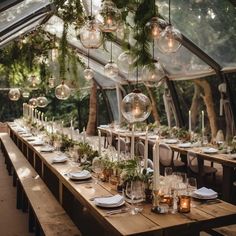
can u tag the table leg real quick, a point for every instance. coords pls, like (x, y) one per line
(228, 174)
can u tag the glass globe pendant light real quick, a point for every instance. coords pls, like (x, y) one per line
(153, 73)
(33, 102)
(155, 26)
(91, 35)
(111, 69)
(135, 106)
(62, 91)
(125, 62)
(111, 16)
(42, 101)
(88, 72)
(170, 39)
(14, 94)
(34, 81)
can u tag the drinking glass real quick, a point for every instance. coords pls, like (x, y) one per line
(57, 145)
(191, 187)
(205, 141)
(97, 167)
(135, 192)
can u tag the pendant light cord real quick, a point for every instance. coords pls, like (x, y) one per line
(153, 49)
(154, 7)
(111, 52)
(137, 78)
(88, 58)
(169, 13)
(91, 8)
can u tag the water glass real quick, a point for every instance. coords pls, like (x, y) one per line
(97, 167)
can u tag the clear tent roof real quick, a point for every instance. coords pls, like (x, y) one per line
(210, 26)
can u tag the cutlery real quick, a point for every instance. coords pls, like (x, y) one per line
(118, 211)
(83, 182)
(102, 196)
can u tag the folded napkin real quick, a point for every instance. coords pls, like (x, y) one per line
(37, 142)
(205, 193)
(26, 135)
(108, 201)
(209, 150)
(184, 145)
(80, 174)
(47, 149)
(59, 159)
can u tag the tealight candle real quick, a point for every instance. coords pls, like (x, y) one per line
(184, 203)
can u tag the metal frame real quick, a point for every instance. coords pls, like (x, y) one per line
(8, 3)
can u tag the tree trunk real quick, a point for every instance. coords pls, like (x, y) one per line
(91, 126)
(208, 99)
(195, 105)
(154, 106)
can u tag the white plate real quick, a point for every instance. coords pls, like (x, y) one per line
(26, 135)
(47, 149)
(110, 206)
(59, 159)
(37, 143)
(209, 150)
(171, 141)
(80, 175)
(184, 145)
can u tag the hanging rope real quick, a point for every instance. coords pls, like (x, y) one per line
(169, 13)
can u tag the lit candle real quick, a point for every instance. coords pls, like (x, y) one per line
(118, 156)
(189, 121)
(62, 126)
(99, 142)
(71, 123)
(146, 150)
(132, 143)
(184, 204)
(84, 135)
(203, 121)
(42, 115)
(46, 119)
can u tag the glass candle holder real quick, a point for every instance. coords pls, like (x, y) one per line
(184, 203)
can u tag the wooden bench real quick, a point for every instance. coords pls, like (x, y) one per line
(46, 215)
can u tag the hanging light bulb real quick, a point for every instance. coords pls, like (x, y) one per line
(42, 101)
(153, 73)
(62, 91)
(51, 82)
(34, 81)
(33, 102)
(154, 27)
(136, 106)
(88, 72)
(111, 16)
(111, 69)
(125, 62)
(90, 35)
(170, 39)
(14, 94)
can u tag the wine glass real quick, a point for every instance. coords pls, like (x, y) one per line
(135, 191)
(97, 167)
(191, 187)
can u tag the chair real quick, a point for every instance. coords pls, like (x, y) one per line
(140, 153)
(193, 167)
(169, 158)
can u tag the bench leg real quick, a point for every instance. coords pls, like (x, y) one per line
(18, 195)
(37, 228)
(31, 220)
(24, 202)
(14, 179)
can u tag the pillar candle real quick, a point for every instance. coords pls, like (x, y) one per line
(146, 150)
(46, 119)
(132, 143)
(118, 147)
(42, 115)
(99, 142)
(189, 121)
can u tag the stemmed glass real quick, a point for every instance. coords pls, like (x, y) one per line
(97, 167)
(57, 145)
(191, 187)
(135, 191)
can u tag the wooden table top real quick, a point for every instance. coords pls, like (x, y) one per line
(203, 216)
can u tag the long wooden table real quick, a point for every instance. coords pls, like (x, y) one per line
(92, 220)
(228, 164)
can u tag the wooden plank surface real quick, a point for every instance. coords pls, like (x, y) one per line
(52, 217)
(202, 216)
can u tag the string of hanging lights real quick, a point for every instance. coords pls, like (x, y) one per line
(88, 72)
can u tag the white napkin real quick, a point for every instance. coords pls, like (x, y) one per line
(209, 150)
(26, 135)
(59, 159)
(80, 174)
(108, 201)
(47, 149)
(37, 142)
(185, 145)
(171, 141)
(205, 193)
